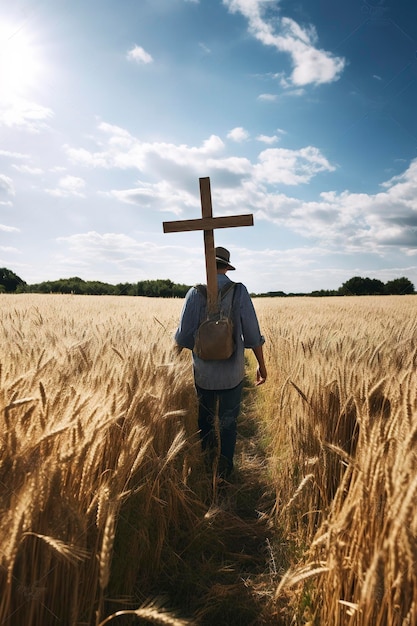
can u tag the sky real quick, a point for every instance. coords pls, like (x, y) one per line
(301, 112)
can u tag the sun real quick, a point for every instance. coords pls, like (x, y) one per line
(20, 61)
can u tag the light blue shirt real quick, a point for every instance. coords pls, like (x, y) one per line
(228, 373)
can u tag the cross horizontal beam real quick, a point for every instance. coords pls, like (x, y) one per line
(208, 223)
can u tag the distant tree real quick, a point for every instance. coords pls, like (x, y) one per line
(269, 294)
(324, 292)
(97, 288)
(146, 288)
(276, 294)
(161, 288)
(399, 286)
(73, 285)
(358, 286)
(165, 288)
(179, 290)
(9, 280)
(125, 289)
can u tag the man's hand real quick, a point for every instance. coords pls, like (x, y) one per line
(260, 376)
(261, 371)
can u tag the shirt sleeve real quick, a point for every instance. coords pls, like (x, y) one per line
(251, 333)
(189, 320)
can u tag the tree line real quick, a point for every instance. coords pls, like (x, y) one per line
(166, 288)
(161, 288)
(358, 286)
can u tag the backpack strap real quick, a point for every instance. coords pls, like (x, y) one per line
(227, 288)
(202, 289)
(222, 293)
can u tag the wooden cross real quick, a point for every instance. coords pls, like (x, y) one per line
(208, 223)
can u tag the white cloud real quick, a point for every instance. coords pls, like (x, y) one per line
(93, 241)
(9, 248)
(234, 165)
(68, 186)
(311, 65)
(268, 97)
(165, 160)
(13, 155)
(238, 134)
(27, 169)
(162, 196)
(21, 113)
(9, 229)
(290, 167)
(139, 55)
(269, 139)
(6, 185)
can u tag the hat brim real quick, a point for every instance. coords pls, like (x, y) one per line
(220, 260)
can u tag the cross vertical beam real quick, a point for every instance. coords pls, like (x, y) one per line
(207, 224)
(209, 249)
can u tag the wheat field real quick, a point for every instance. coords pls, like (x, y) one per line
(105, 507)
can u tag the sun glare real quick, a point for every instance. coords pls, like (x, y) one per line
(20, 61)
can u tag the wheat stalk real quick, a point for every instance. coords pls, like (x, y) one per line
(70, 553)
(107, 547)
(151, 614)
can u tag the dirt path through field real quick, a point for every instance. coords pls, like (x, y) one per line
(228, 570)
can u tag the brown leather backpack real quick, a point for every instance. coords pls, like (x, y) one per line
(214, 338)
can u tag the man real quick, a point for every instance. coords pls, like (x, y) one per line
(220, 382)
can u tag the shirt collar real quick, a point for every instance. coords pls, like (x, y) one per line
(222, 279)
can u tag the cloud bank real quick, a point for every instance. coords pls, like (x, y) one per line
(166, 183)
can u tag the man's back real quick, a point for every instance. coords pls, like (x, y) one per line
(228, 373)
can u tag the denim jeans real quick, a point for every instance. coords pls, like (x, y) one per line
(226, 404)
